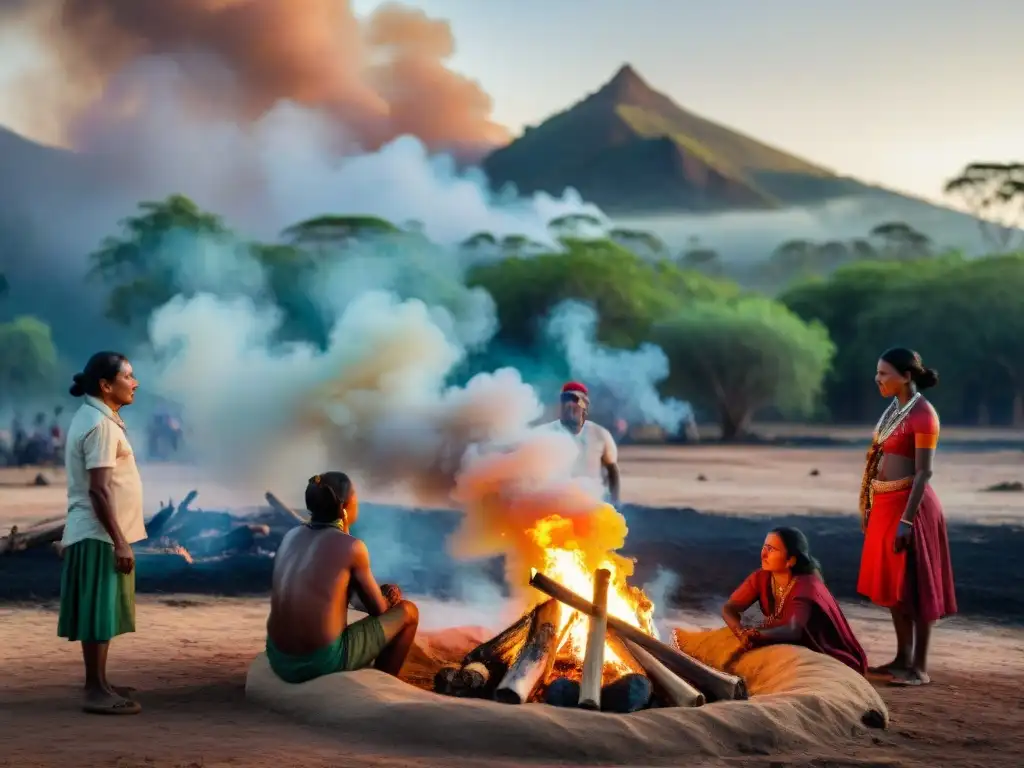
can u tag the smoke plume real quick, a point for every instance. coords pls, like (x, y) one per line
(629, 377)
(378, 77)
(377, 404)
(269, 113)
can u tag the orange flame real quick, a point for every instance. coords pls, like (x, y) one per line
(565, 562)
(519, 504)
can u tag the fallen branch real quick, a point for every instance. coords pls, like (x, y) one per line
(672, 689)
(716, 685)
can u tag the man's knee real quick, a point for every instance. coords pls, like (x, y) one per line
(410, 613)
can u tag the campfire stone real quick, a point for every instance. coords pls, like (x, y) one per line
(630, 693)
(562, 692)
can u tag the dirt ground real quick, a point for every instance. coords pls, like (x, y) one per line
(189, 657)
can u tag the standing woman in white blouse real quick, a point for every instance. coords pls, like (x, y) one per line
(97, 600)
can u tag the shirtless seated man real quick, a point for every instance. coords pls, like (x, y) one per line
(318, 570)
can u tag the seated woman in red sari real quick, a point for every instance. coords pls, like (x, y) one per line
(797, 606)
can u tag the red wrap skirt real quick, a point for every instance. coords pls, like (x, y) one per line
(919, 581)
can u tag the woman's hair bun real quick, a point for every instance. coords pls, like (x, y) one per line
(927, 378)
(77, 389)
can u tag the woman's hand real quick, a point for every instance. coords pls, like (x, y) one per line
(904, 537)
(748, 638)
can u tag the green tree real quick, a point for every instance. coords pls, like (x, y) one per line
(967, 320)
(843, 301)
(699, 257)
(902, 242)
(628, 292)
(640, 242)
(574, 225)
(994, 194)
(137, 265)
(480, 240)
(28, 358)
(335, 230)
(743, 355)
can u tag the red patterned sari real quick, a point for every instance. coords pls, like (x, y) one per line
(919, 581)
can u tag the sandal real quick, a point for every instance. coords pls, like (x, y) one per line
(123, 707)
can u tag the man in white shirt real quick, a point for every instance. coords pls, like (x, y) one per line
(105, 517)
(598, 455)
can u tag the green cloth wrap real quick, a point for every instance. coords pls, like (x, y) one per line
(357, 646)
(96, 602)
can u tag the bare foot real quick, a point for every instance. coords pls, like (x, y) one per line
(895, 667)
(101, 702)
(912, 677)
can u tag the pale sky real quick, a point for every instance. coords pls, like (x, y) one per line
(898, 92)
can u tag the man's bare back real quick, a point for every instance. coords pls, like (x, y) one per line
(318, 570)
(311, 588)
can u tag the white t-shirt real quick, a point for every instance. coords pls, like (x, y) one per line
(596, 448)
(97, 438)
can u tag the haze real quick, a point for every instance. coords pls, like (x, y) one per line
(900, 93)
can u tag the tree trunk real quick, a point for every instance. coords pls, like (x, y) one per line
(735, 423)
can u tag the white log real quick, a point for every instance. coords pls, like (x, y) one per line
(535, 658)
(672, 688)
(593, 660)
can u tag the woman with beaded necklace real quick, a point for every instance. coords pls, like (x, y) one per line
(905, 564)
(797, 606)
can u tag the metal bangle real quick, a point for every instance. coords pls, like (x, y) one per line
(907, 522)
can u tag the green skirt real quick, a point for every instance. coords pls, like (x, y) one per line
(96, 602)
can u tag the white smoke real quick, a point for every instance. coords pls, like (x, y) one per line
(630, 377)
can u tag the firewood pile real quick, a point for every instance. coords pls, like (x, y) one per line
(527, 662)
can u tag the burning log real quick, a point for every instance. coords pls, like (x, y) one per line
(593, 660)
(536, 658)
(716, 685)
(486, 664)
(672, 689)
(618, 647)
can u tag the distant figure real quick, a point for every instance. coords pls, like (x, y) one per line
(56, 434)
(598, 455)
(797, 606)
(318, 570)
(19, 439)
(97, 589)
(905, 564)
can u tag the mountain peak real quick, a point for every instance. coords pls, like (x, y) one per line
(626, 86)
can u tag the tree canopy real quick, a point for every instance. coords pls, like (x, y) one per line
(741, 355)
(28, 357)
(628, 292)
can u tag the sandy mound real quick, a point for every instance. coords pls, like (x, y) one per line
(802, 698)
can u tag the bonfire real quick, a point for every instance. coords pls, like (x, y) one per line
(592, 643)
